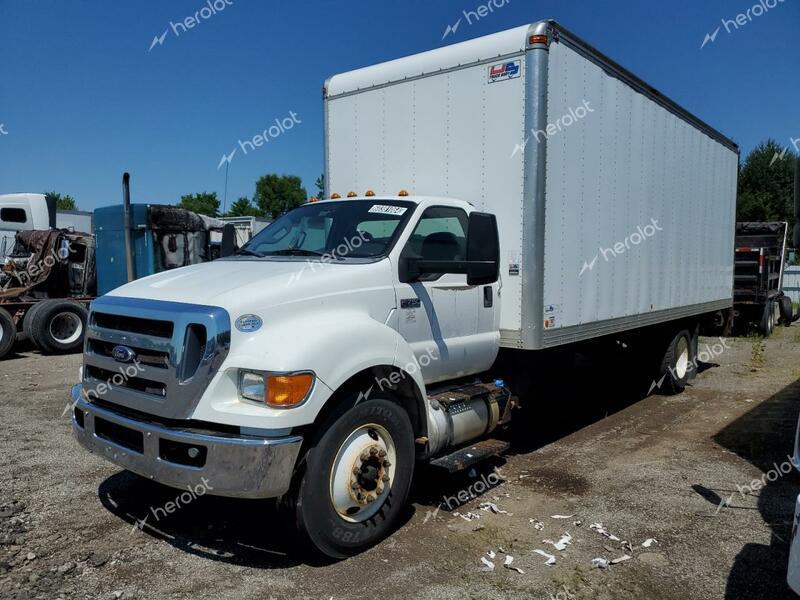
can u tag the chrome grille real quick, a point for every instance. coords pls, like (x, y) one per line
(177, 347)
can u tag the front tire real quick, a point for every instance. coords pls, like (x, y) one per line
(355, 478)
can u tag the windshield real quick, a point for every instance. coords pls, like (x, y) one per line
(346, 229)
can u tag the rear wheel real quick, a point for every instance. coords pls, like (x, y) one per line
(785, 305)
(58, 326)
(8, 332)
(767, 324)
(677, 364)
(355, 478)
(28, 319)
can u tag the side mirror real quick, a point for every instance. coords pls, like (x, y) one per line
(228, 245)
(483, 249)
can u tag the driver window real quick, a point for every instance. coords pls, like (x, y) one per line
(441, 234)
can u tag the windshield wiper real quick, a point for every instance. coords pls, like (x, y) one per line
(295, 252)
(248, 252)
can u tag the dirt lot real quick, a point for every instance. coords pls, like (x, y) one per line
(645, 468)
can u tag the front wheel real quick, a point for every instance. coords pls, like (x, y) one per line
(356, 478)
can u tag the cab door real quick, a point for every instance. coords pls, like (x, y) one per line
(446, 322)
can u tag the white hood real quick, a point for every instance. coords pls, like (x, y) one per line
(244, 285)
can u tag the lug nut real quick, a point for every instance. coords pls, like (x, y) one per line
(373, 451)
(364, 456)
(356, 470)
(382, 453)
(354, 486)
(360, 497)
(385, 478)
(387, 464)
(380, 490)
(370, 499)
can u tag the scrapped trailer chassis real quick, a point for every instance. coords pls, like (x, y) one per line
(45, 295)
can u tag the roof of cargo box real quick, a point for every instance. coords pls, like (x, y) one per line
(504, 43)
(499, 46)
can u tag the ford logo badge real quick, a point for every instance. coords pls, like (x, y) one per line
(249, 323)
(123, 354)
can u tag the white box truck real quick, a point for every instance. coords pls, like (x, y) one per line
(509, 194)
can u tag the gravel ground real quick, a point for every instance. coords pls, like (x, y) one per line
(659, 467)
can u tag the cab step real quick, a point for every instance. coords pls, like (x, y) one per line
(467, 456)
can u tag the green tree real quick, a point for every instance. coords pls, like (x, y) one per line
(62, 202)
(320, 183)
(766, 180)
(243, 207)
(204, 203)
(276, 194)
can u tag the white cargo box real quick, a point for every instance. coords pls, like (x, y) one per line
(616, 206)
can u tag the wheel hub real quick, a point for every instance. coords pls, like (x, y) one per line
(362, 473)
(370, 475)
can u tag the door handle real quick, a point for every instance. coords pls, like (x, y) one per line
(488, 298)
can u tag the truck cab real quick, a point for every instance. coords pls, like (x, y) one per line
(339, 306)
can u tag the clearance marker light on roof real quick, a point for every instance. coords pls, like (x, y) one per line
(352, 195)
(403, 193)
(538, 39)
(369, 194)
(335, 196)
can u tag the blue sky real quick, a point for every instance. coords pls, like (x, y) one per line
(84, 98)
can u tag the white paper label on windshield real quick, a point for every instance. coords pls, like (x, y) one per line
(387, 210)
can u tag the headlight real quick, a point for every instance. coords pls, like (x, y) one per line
(283, 390)
(251, 386)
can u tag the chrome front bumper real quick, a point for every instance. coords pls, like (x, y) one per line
(225, 465)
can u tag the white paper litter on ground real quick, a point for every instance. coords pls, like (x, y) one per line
(470, 516)
(488, 565)
(491, 554)
(486, 506)
(537, 525)
(598, 527)
(561, 516)
(599, 563)
(649, 542)
(561, 544)
(627, 547)
(616, 561)
(507, 564)
(551, 560)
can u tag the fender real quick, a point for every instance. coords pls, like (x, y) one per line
(336, 345)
